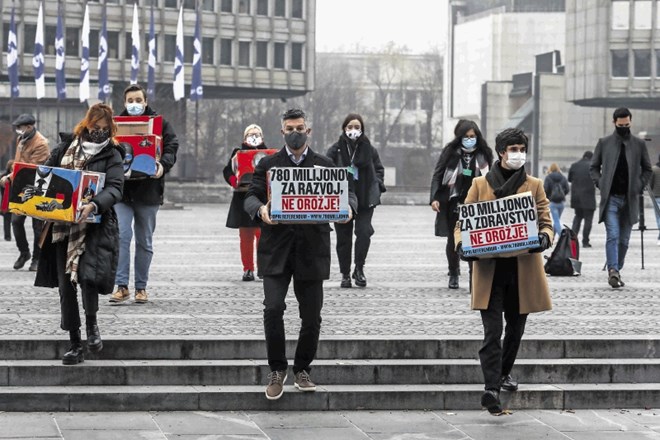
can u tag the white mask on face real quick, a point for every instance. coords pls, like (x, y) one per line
(253, 140)
(516, 160)
(353, 134)
(20, 132)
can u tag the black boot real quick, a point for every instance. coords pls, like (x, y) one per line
(358, 276)
(75, 354)
(453, 281)
(94, 342)
(346, 281)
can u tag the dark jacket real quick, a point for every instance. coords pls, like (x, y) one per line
(654, 184)
(583, 191)
(307, 245)
(150, 191)
(98, 264)
(237, 217)
(371, 174)
(553, 180)
(603, 166)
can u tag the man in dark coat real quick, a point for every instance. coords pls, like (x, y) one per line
(583, 196)
(620, 168)
(301, 251)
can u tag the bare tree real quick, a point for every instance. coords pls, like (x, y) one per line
(429, 77)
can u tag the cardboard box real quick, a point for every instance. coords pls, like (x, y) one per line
(243, 164)
(504, 227)
(308, 195)
(129, 125)
(142, 155)
(51, 193)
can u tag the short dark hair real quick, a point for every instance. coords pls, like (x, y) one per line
(349, 118)
(510, 136)
(135, 88)
(621, 112)
(293, 113)
(587, 155)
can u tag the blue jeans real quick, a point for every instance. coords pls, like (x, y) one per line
(617, 229)
(555, 210)
(145, 224)
(657, 217)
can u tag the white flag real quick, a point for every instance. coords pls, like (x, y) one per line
(135, 52)
(38, 58)
(84, 61)
(179, 89)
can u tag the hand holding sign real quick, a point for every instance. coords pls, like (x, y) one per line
(461, 255)
(264, 213)
(544, 243)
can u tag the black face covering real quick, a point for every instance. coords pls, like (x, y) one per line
(295, 140)
(98, 136)
(622, 131)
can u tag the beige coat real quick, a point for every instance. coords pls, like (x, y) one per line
(35, 150)
(534, 293)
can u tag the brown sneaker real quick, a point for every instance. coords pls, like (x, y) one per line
(141, 296)
(275, 387)
(303, 382)
(121, 295)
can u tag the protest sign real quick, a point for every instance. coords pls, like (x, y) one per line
(308, 195)
(503, 227)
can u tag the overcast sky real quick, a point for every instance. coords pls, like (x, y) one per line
(343, 24)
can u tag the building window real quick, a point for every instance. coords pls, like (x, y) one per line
(207, 50)
(411, 100)
(225, 51)
(620, 63)
(94, 44)
(128, 48)
(410, 134)
(262, 54)
(423, 134)
(244, 53)
(395, 100)
(170, 48)
(426, 103)
(280, 8)
(297, 8)
(113, 44)
(643, 14)
(72, 42)
(189, 4)
(188, 49)
(29, 31)
(620, 14)
(278, 58)
(49, 40)
(296, 56)
(227, 6)
(642, 63)
(262, 7)
(395, 134)
(208, 5)
(171, 3)
(243, 6)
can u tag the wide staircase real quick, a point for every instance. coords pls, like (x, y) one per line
(352, 373)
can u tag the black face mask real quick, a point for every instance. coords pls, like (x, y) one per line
(295, 140)
(98, 136)
(622, 131)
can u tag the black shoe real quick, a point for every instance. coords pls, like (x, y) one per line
(248, 275)
(458, 272)
(508, 383)
(34, 265)
(7, 238)
(491, 401)
(22, 259)
(614, 279)
(453, 281)
(358, 276)
(75, 354)
(586, 245)
(346, 281)
(94, 342)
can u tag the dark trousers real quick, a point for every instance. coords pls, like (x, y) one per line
(452, 257)
(497, 359)
(6, 218)
(309, 294)
(70, 313)
(363, 233)
(588, 216)
(18, 226)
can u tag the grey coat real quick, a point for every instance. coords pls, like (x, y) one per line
(603, 166)
(583, 191)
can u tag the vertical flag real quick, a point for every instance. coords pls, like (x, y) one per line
(135, 53)
(60, 80)
(196, 88)
(12, 57)
(151, 68)
(84, 61)
(104, 86)
(179, 89)
(38, 58)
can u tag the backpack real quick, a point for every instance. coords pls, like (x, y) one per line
(557, 193)
(564, 260)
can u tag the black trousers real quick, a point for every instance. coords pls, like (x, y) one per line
(453, 262)
(588, 216)
(309, 294)
(497, 359)
(6, 218)
(363, 233)
(70, 312)
(18, 226)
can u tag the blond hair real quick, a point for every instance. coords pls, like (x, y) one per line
(554, 167)
(252, 127)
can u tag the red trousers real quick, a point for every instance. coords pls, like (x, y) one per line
(249, 240)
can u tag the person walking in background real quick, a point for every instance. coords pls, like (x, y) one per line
(248, 229)
(6, 216)
(140, 203)
(464, 158)
(31, 147)
(354, 151)
(583, 196)
(620, 168)
(556, 187)
(85, 254)
(655, 188)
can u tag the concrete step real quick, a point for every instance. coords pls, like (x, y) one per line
(134, 348)
(327, 397)
(333, 372)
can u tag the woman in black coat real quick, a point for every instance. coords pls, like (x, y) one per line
(85, 254)
(464, 158)
(354, 151)
(248, 230)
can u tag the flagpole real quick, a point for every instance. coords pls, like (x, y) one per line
(196, 132)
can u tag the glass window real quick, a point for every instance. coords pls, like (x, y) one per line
(113, 44)
(296, 56)
(395, 134)
(643, 14)
(171, 4)
(208, 5)
(642, 63)
(188, 49)
(297, 8)
(227, 6)
(278, 58)
(620, 14)
(280, 8)
(49, 40)
(423, 134)
(411, 100)
(620, 63)
(410, 133)
(94, 44)
(29, 32)
(189, 4)
(207, 50)
(128, 48)
(395, 100)
(225, 51)
(170, 48)
(151, 3)
(72, 42)
(243, 6)
(262, 7)
(426, 103)
(244, 53)
(262, 53)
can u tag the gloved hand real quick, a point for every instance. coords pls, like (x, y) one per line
(233, 181)
(544, 243)
(459, 251)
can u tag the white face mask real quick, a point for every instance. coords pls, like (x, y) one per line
(353, 134)
(20, 132)
(516, 160)
(254, 140)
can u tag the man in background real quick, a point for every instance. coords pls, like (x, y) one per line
(583, 196)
